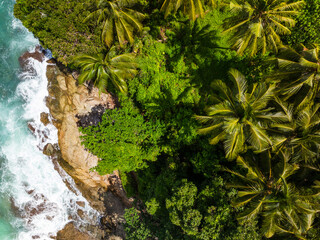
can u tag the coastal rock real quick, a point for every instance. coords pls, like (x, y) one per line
(71, 232)
(38, 55)
(31, 127)
(68, 103)
(48, 149)
(44, 118)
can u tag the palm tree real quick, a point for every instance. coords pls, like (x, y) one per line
(301, 134)
(117, 20)
(298, 75)
(265, 191)
(192, 8)
(240, 116)
(257, 25)
(101, 69)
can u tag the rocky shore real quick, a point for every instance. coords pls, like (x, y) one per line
(71, 106)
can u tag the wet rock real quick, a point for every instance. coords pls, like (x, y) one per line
(71, 232)
(44, 118)
(51, 61)
(80, 213)
(31, 127)
(15, 208)
(80, 203)
(48, 149)
(67, 100)
(38, 55)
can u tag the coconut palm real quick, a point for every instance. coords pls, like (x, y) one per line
(118, 20)
(192, 8)
(240, 117)
(301, 134)
(102, 69)
(257, 25)
(298, 75)
(265, 192)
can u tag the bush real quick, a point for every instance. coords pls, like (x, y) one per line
(123, 140)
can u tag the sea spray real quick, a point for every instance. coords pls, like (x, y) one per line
(36, 189)
(30, 185)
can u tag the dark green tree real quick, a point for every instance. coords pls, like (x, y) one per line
(265, 191)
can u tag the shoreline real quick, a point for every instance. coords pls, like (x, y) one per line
(67, 101)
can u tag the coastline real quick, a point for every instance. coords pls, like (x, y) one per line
(66, 102)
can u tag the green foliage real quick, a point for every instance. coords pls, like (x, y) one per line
(256, 26)
(59, 26)
(123, 140)
(165, 92)
(101, 69)
(240, 117)
(180, 208)
(266, 191)
(174, 173)
(118, 19)
(192, 8)
(306, 30)
(135, 228)
(298, 75)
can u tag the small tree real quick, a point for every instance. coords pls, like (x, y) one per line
(123, 140)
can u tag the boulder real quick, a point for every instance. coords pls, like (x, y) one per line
(48, 149)
(31, 127)
(68, 102)
(38, 55)
(71, 232)
(44, 118)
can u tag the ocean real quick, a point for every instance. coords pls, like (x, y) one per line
(35, 203)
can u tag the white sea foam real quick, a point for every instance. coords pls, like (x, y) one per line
(44, 201)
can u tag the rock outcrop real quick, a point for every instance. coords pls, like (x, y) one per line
(67, 101)
(71, 232)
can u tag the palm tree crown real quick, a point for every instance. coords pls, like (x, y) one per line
(101, 69)
(298, 75)
(301, 134)
(240, 116)
(257, 24)
(192, 8)
(117, 20)
(266, 192)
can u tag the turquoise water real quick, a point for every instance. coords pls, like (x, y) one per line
(42, 202)
(14, 40)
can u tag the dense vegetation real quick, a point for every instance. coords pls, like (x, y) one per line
(234, 158)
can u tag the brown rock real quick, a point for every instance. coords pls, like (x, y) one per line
(37, 55)
(80, 213)
(44, 118)
(48, 149)
(31, 127)
(66, 100)
(70, 232)
(51, 61)
(80, 203)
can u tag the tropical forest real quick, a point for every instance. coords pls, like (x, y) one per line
(216, 134)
